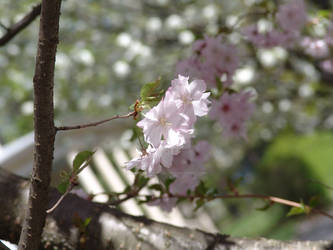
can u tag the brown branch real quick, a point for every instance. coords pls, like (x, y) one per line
(44, 129)
(111, 229)
(94, 124)
(272, 199)
(20, 25)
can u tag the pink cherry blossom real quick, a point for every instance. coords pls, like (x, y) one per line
(189, 97)
(292, 16)
(154, 159)
(327, 65)
(188, 167)
(166, 202)
(165, 120)
(189, 67)
(202, 152)
(270, 38)
(317, 48)
(252, 33)
(211, 59)
(184, 183)
(232, 111)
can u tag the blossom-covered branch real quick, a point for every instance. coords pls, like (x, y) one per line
(12, 31)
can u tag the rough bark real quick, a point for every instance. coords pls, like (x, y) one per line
(43, 125)
(111, 229)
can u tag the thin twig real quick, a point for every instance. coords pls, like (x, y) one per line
(93, 124)
(20, 25)
(254, 196)
(322, 184)
(73, 183)
(60, 199)
(4, 26)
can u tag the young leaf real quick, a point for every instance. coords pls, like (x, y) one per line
(199, 203)
(168, 181)
(140, 180)
(296, 211)
(63, 186)
(265, 207)
(149, 89)
(157, 187)
(86, 221)
(201, 189)
(80, 158)
(150, 93)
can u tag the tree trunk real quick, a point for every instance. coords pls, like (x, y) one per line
(43, 125)
(111, 229)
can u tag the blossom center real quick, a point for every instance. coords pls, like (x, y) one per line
(164, 122)
(225, 108)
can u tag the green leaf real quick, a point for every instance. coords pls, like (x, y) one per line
(157, 187)
(80, 158)
(86, 221)
(303, 209)
(168, 181)
(149, 89)
(140, 180)
(296, 211)
(63, 186)
(199, 204)
(265, 207)
(150, 94)
(127, 189)
(201, 189)
(147, 199)
(324, 13)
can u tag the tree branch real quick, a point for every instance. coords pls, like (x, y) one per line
(43, 125)
(20, 25)
(272, 199)
(111, 229)
(93, 124)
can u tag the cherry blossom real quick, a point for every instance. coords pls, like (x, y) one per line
(317, 48)
(269, 39)
(189, 97)
(165, 120)
(232, 111)
(292, 15)
(154, 159)
(327, 65)
(166, 202)
(212, 58)
(188, 168)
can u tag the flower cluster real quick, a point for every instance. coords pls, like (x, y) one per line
(317, 48)
(211, 59)
(215, 60)
(290, 17)
(187, 170)
(232, 110)
(168, 127)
